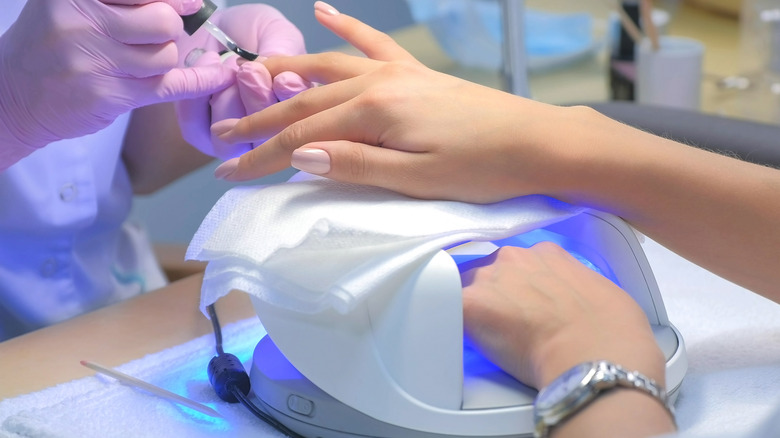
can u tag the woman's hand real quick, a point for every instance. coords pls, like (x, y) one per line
(537, 312)
(389, 121)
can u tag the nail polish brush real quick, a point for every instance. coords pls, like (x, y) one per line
(200, 19)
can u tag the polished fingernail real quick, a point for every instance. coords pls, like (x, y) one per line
(192, 58)
(314, 161)
(223, 126)
(325, 8)
(241, 61)
(226, 169)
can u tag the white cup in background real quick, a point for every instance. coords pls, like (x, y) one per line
(671, 75)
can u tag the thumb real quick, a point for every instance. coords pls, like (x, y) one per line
(192, 82)
(194, 115)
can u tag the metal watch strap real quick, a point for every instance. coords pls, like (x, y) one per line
(609, 376)
(636, 380)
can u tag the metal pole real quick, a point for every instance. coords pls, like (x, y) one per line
(515, 68)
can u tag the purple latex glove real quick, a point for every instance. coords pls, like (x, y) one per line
(70, 67)
(255, 27)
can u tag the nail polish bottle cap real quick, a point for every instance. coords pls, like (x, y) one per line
(194, 21)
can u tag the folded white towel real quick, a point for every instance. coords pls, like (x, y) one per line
(312, 245)
(101, 407)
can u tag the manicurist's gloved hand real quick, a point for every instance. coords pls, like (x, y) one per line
(70, 67)
(255, 27)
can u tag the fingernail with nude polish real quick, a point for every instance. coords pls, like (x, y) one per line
(315, 161)
(192, 58)
(227, 168)
(325, 8)
(241, 61)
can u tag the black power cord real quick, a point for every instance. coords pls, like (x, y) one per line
(231, 382)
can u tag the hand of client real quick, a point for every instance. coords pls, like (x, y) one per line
(461, 133)
(69, 68)
(538, 312)
(255, 27)
(445, 138)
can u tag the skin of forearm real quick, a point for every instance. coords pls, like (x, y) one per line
(719, 212)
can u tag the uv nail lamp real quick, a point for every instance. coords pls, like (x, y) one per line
(397, 366)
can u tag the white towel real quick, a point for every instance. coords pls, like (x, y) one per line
(101, 407)
(733, 341)
(317, 244)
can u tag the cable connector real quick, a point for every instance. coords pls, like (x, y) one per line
(226, 372)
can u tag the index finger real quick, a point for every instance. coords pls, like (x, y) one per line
(339, 123)
(373, 43)
(324, 68)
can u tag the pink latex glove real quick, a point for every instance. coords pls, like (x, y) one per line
(70, 67)
(255, 27)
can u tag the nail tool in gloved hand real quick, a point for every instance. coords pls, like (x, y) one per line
(200, 19)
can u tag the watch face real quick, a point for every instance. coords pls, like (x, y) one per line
(563, 386)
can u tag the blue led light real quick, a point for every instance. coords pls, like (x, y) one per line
(585, 262)
(586, 255)
(475, 363)
(192, 381)
(277, 367)
(199, 417)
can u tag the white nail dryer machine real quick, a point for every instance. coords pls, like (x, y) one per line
(396, 366)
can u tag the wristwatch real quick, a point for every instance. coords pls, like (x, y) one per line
(580, 385)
